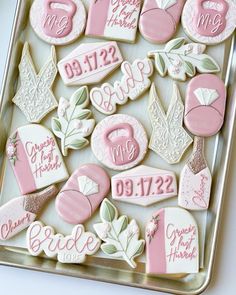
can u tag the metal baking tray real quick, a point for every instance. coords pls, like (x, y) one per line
(101, 268)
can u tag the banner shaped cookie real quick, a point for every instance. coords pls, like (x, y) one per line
(144, 186)
(116, 20)
(82, 194)
(172, 243)
(68, 249)
(90, 63)
(35, 158)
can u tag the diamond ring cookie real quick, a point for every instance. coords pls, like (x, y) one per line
(82, 193)
(209, 22)
(35, 158)
(58, 22)
(119, 142)
(159, 19)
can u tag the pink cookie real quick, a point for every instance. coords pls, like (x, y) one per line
(90, 63)
(144, 185)
(114, 19)
(58, 22)
(119, 142)
(172, 242)
(205, 105)
(209, 22)
(35, 158)
(159, 19)
(82, 194)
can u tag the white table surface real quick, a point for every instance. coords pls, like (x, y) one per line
(17, 281)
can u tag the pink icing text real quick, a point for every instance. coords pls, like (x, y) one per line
(199, 195)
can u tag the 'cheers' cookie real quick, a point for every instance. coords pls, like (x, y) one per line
(119, 142)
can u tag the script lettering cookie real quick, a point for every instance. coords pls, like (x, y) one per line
(119, 142)
(73, 123)
(82, 194)
(58, 22)
(35, 97)
(209, 22)
(205, 105)
(114, 19)
(159, 19)
(19, 213)
(144, 186)
(172, 243)
(68, 249)
(35, 158)
(120, 237)
(134, 83)
(180, 60)
(169, 138)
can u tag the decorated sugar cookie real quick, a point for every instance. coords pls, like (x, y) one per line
(159, 19)
(35, 97)
(90, 63)
(116, 20)
(58, 22)
(172, 243)
(119, 142)
(209, 22)
(205, 105)
(144, 186)
(135, 81)
(68, 249)
(82, 194)
(35, 158)
(169, 138)
(19, 213)
(121, 237)
(195, 180)
(73, 123)
(180, 60)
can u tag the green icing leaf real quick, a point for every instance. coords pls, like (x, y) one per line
(109, 249)
(189, 68)
(160, 64)
(174, 44)
(80, 97)
(78, 144)
(210, 65)
(56, 125)
(108, 212)
(84, 114)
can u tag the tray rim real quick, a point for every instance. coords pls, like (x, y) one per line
(225, 171)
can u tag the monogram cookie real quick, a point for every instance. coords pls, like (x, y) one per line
(209, 22)
(119, 142)
(58, 22)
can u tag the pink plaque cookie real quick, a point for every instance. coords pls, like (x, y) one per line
(35, 158)
(19, 213)
(144, 186)
(209, 22)
(58, 22)
(119, 142)
(114, 19)
(205, 105)
(159, 19)
(90, 63)
(172, 242)
(82, 194)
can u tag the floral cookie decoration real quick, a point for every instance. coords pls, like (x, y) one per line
(35, 97)
(73, 123)
(120, 236)
(180, 60)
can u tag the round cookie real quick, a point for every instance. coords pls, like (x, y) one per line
(119, 142)
(209, 22)
(58, 22)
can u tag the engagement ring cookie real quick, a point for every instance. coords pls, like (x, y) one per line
(58, 22)
(172, 243)
(68, 249)
(90, 63)
(35, 158)
(121, 237)
(119, 142)
(209, 22)
(159, 19)
(115, 20)
(82, 194)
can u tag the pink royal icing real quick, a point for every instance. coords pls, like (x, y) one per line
(82, 194)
